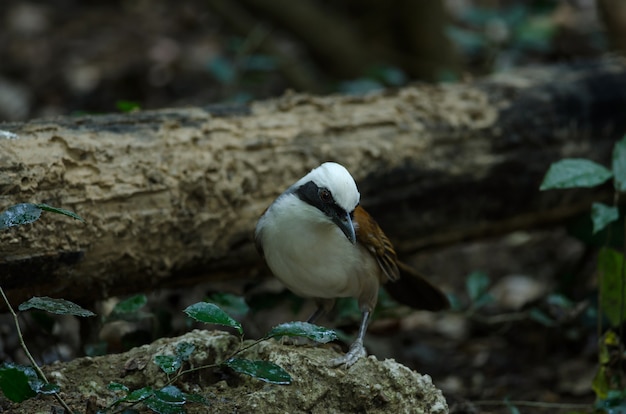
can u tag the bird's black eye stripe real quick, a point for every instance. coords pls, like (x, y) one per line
(325, 196)
(319, 197)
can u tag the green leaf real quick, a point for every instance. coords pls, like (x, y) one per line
(127, 106)
(57, 210)
(168, 363)
(541, 317)
(163, 407)
(48, 389)
(230, 303)
(167, 400)
(197, 398)
(211, 313)
(574, 172)
(171, 394)
(262, 370)
(602, 215)
(612, 286)
(184, 350)
(138, 395)
(130, 305)
(116, 386)
(14, 382)
(303, 329)
(56, 306)
(130, 310)
(619, 165)
(19, 214)
(477, 285)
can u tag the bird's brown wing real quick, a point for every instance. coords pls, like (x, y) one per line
(370, 235)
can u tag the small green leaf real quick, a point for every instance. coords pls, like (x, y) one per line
(197, 398)
(167, 400)
(477, 285)
(230, 303)
(14, 382)
(138, 395)
(116, 386)
(19, 214)
(574, 172)
(130, 310)
(612, 286)
(210, 313)
(56, 306)
(163, 407)
(541, 317)
(168, 363)
(303, 329)
(127, 106)
(130, 305)
(57, 210)
(262, 370)
(619, 165)
(184, 350)
(602, 215)
(170, 394)
(48, 389)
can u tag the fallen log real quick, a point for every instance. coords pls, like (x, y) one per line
(170, 197)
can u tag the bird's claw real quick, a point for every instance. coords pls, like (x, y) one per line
(356, 352)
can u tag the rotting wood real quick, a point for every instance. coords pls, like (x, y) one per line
(171, 197)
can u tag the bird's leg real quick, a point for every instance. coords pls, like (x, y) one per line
(357, 350)
(315, 316)
(323, 307)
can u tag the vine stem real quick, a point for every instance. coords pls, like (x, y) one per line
(40, 373)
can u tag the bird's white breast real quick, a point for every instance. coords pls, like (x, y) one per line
(309, 253)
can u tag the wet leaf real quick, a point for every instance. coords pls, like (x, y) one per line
(14, 382)
(57, 210)
(138, 395)
(303, 329)
(612, 285)
(168, 363)
(116, 386)
(184, 350)
(131, 304)
(477, 286)
(130, 309)
(171, 394)
(48, 388)
(19, 214)
(262, 370)
(211, 313)
(167, 400)
(574, 172)
(56, 306)
(602, 215)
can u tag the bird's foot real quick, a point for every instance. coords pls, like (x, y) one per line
(356, 352)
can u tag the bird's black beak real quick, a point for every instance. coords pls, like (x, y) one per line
(345, 224)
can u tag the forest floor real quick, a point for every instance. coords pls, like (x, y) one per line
(55, 62)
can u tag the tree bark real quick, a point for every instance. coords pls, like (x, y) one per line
(171, 197)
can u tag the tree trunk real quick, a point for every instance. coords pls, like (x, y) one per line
(171, 197)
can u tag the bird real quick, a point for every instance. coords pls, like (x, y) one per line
(322, 244)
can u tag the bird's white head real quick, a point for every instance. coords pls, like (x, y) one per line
(336, 178)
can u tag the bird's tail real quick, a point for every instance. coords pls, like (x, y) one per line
(414, 290)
